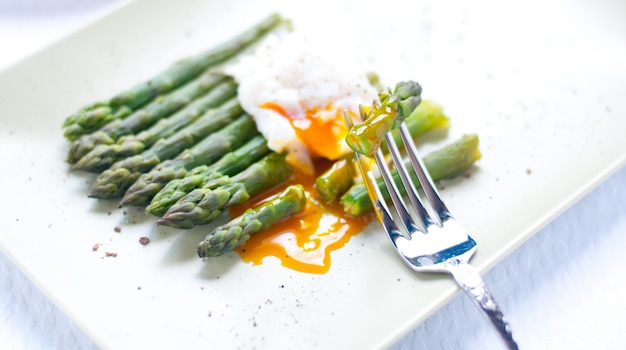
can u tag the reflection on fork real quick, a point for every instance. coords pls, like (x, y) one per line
(427, 240)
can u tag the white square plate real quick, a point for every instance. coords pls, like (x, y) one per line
(542, 83)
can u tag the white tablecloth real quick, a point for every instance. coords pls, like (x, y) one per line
(563, 287)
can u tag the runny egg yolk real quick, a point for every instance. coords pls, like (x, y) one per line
(321, 130)
(304, 241)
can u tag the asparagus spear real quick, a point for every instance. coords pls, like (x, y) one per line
(230, 164)
(143, 118)
(386, 114)
(203, 205)
(209, 150)
(93, 117)
(426, 117)
(115, 181)
(237, 231)
(103, 156)
(449, 161)
(88, 119)
(336, 180)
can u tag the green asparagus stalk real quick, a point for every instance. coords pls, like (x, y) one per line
(203, 205)
(145, 117)
(427, 117)
(113, 182)
(238, 230)
(230, 164)
(103, 156)
(92, 117)
(336, 180)
(448, 161)
(384, 115)
(208, 151)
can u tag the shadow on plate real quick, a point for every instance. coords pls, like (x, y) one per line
(213, 268)
(184, 241)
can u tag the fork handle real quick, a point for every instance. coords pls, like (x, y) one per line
(472, 283)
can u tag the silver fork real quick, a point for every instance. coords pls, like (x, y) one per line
(432, 241)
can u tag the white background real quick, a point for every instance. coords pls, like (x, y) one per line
(566, 292)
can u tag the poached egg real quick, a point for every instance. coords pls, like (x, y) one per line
(296, 90)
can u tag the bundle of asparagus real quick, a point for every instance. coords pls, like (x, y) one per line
(93, 117)
(204, 204)
(104, 155)
(208, 176)
(201, 136)
(182, 145)
(207, 151)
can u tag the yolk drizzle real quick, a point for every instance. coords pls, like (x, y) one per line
(322, 135)
(304, 241)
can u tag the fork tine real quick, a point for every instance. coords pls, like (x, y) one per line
(411, 190)
(424, 178)
(398, 203)
(380, 206)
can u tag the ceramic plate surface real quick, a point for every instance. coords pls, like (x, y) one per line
(542, 84)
